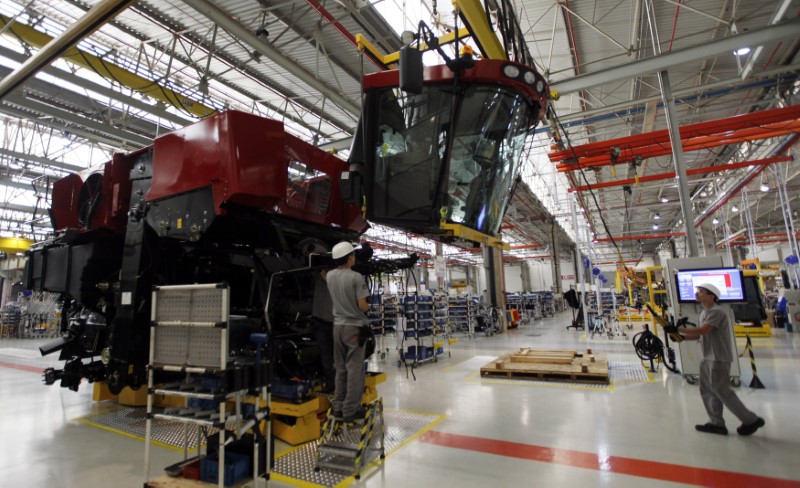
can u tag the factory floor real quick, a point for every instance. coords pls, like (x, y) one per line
(637, 432)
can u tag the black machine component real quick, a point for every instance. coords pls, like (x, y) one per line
(752, 311)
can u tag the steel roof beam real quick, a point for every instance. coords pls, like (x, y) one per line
(101, 90)
(94, 18)
(233, 27)
(783, 30)
(68, 116)
(45, 162)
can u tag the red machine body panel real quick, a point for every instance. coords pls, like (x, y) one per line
(64, 212)
(318, 199)
(96, 198)
(240, 155)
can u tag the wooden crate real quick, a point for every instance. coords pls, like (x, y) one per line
(550, 365)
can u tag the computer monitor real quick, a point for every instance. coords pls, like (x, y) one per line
(728, 280)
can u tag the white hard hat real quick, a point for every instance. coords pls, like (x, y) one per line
(342, 249)
(708, 286)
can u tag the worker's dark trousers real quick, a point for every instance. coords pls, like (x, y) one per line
(348, 360)
(323, 332)
(715, 390)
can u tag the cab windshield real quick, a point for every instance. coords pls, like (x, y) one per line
(419, 176)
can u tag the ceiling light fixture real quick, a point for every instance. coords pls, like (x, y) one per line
(656, 217)
(742, 51)
(764, 187)
(734, 209)
(664, 199)
(715, 221)
(655, 226)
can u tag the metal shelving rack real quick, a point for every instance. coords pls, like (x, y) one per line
(383, 316)
(461, 311)
(190, 335)
(420, 326)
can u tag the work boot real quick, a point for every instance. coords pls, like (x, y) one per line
(710, 428)
(749, 429)
(358, 415)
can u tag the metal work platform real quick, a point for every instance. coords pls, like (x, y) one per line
(297, 466)
(349, 447)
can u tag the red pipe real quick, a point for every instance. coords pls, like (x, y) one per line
(695, 171)
(643, 237)
(739, 240)
(674, 25)
(520, 258)
(521, 246)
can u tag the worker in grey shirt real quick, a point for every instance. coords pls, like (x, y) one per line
(715, 368)
(349, 294)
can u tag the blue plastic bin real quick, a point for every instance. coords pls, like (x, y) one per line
(237, 467)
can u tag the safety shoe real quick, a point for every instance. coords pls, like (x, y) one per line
(749, 429)
(710, 428)
(358, 415)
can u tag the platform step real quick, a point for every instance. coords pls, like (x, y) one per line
(347, 467)
(343, 451)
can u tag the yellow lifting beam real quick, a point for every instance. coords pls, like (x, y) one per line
(477, 27)
(107, 70)
(13, 245)
(458, 230)
(475, 18)
(389, 60)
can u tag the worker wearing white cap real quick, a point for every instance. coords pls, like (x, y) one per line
(715, 368)
(349, 293)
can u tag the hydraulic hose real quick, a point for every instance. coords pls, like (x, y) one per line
(649, 347)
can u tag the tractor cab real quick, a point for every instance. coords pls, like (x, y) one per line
(448, 154)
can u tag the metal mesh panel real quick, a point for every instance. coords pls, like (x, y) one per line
(188, 346)
(182, 336)
(191, 305)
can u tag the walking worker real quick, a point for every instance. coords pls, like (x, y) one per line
(349, 294)
(715, 367)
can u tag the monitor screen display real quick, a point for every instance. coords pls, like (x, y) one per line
(728, 280)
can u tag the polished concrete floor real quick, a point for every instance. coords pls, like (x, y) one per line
(493, 433)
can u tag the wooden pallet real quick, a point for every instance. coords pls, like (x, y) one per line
(550, 365)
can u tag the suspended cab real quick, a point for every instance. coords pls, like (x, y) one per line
(448, 154)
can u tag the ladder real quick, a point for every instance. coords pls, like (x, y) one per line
(348, 447)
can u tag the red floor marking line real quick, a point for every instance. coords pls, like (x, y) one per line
(612, 464)
(21, 367)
